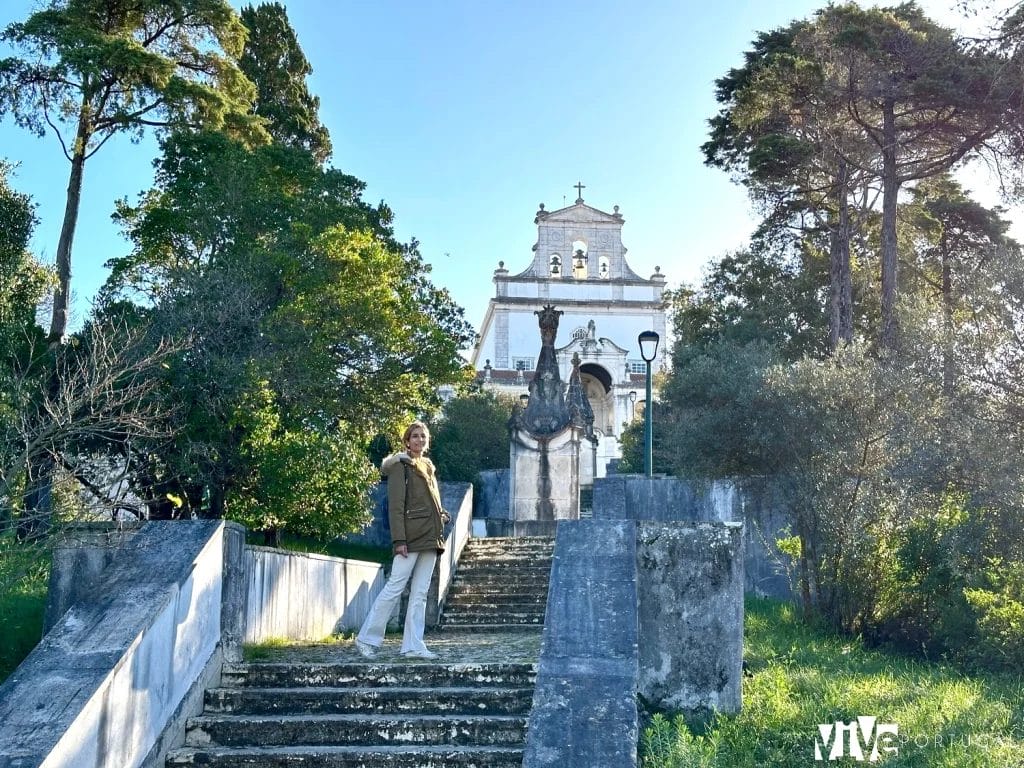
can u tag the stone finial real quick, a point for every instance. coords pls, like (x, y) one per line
(548, 324)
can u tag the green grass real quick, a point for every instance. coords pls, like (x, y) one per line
(800, 677)
(24, 576)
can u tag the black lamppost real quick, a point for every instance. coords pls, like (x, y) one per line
(632, 404)
(648, 351)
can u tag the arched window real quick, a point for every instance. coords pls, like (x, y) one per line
(555, 265)
(579, 260)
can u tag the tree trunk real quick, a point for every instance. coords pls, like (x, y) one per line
(62, 296)
(947, 318)
(890, 190)
(37, 514)
(841, 281)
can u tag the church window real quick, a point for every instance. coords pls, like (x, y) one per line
(580, 333)
(555, 265)
(636, 366)
(522, 363)
(579, 260)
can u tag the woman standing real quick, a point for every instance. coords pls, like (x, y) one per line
(417, 535)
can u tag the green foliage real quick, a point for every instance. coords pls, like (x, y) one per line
(999, 607)
(311, 481)
(471, 435)
(800, 676)
(23, 283)
(106, 67)
(24, 577)
(312, 329)
(274, 61)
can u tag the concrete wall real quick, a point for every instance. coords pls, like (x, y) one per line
(584, 705)
(117, 666)
(544, 486)
(640, 611)
(78, 564)
(690, 604)
(753, 501)
(304, 596)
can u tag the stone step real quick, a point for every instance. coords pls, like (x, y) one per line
(489, 574)
(418, 756)
(506, 563)
(364, 729)
(457, 625)
(471, 596)
(492, 609)
(493, 618)
(427, 675)
(469, 554)
(385, 700)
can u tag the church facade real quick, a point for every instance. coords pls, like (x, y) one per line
(579, 266)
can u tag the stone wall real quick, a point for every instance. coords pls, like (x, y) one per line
(753, 501)
(690, 604)
(638, 611)
(303, 596)
(131, 657)
(584, 705)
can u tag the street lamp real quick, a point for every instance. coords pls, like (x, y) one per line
(648, 351)
(632, 404)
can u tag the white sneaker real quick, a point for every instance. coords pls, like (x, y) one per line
(365, 649)
(423, 654)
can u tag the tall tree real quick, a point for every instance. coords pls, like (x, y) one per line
(274, 61)
(921, 96)
(91, 69)
(314, 330)
(776, 133)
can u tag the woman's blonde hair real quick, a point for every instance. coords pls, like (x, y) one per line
(410, 428)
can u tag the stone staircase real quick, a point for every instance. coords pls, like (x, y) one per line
(325, 706)
(500, 584)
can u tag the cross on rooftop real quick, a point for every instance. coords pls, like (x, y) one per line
(580, 186)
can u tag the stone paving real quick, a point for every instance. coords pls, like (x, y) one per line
(451, 647)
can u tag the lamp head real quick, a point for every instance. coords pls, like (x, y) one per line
(648, 345)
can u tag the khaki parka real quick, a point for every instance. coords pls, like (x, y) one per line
(414, 504)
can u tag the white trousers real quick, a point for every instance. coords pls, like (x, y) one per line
(420, 566)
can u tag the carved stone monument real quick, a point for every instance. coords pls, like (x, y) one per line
(553, 446)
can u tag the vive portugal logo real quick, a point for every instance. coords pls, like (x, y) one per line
(862, 739)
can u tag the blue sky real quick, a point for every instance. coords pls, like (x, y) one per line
(463, 115)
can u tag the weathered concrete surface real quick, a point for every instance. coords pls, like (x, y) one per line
(100, 686)
(491, 494)
(690, 603)
(305, 596)
(753, 501)
(545, 479)
(584, 709)
(78, 564)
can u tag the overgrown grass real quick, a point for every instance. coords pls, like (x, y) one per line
(24, 575)
(800, 677)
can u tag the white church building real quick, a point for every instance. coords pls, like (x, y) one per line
(578, 266)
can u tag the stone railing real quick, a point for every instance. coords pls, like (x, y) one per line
(141, 619)
(131, 657)
(645, 609)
